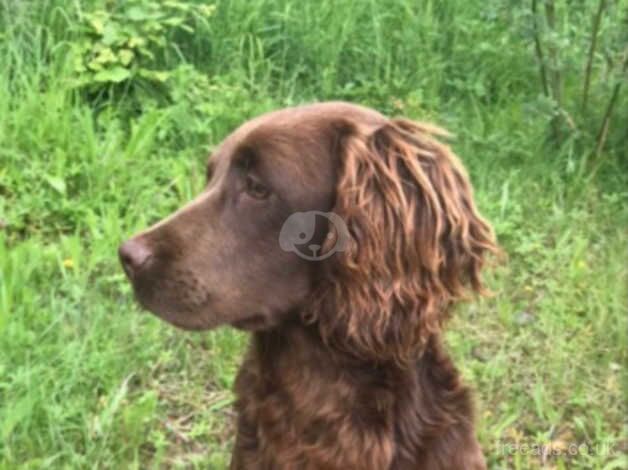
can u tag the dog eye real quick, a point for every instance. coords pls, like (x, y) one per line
(255, 189)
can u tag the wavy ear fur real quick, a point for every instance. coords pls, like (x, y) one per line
(416, 242)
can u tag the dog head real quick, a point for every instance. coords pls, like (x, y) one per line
(362, 225)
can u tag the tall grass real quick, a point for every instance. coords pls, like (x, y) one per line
(86, 381)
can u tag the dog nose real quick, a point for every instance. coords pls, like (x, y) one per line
(314, 247)
(133, 255)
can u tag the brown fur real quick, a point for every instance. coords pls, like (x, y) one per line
(345, 369)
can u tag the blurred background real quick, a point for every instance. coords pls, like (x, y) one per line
(109, 110)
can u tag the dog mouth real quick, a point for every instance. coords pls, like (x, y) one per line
(189, 309)
(183, 313)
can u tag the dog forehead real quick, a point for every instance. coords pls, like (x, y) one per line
(307, 116)
(296, 155)
(297, 147)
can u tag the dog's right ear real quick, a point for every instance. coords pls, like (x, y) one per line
(415, 241)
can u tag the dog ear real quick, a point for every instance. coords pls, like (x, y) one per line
(415, 242)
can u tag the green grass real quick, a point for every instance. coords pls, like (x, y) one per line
(87, 381)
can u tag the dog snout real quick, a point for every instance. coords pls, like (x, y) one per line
(134, 254)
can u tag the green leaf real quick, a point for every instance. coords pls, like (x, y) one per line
(94, 65)
(140, 14)
(177, 5)
(57, 183)
(79, 67)
(98, 25)
(105, 56)
(110, 34)
(157, 75)
(97, 21)
(114, 74)
(175, 21)
(207, 10)
(136, 41)
(125, 56)
(146, 53)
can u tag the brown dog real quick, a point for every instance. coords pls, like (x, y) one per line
(340, 238)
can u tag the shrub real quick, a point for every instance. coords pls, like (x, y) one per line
(130, 42)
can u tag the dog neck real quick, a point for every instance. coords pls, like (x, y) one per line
(295, 346)
(292, 384)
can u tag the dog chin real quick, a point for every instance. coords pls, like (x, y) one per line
(189, 322)
(179, 317)
(255, 322)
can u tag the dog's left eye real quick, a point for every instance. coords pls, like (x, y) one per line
(255, 189)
